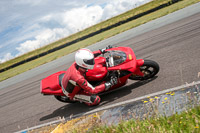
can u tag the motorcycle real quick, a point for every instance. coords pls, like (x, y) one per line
(120, 61)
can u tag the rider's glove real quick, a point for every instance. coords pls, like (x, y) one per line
(109, 47)
(103, 51)
(113, 81)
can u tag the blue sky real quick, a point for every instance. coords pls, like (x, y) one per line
(26, 25)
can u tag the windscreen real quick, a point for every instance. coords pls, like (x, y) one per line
(115, 57)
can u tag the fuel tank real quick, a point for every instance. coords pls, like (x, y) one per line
(99, 71)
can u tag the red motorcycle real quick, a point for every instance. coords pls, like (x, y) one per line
(120, 61)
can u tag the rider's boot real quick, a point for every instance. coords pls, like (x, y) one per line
(95, 100)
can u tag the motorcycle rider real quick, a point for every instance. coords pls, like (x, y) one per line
(74, 84)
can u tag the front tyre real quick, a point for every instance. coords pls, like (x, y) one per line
(64, 99)
(149, 69)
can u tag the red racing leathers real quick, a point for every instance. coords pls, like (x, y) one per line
(76, 79)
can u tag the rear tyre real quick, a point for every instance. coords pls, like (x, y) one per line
(149, 69)
(64, 99)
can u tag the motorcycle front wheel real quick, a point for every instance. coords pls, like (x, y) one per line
(149, 69)
(64, 99)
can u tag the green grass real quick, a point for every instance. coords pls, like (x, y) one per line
(188, 121)
(52, 56)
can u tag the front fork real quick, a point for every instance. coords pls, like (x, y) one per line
(139, 63)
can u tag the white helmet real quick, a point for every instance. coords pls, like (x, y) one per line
(85, 58)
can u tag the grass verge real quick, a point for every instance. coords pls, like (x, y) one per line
(173, 111)
(188, 121)
(52, 56)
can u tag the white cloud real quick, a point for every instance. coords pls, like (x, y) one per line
(45, 37)
(81, 18)
(71, 21)
(28, 2)
(6, 57)
(46, 18)
(43, 22)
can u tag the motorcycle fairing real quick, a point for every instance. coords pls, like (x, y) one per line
(129, 63)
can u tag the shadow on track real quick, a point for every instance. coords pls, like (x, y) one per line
(77, 108)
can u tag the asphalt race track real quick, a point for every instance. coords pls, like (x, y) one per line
(175, 46)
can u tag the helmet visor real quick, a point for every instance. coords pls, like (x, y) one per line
(89, 62)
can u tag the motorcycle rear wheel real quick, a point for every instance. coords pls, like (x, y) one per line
(149, 69)
(64, 99)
